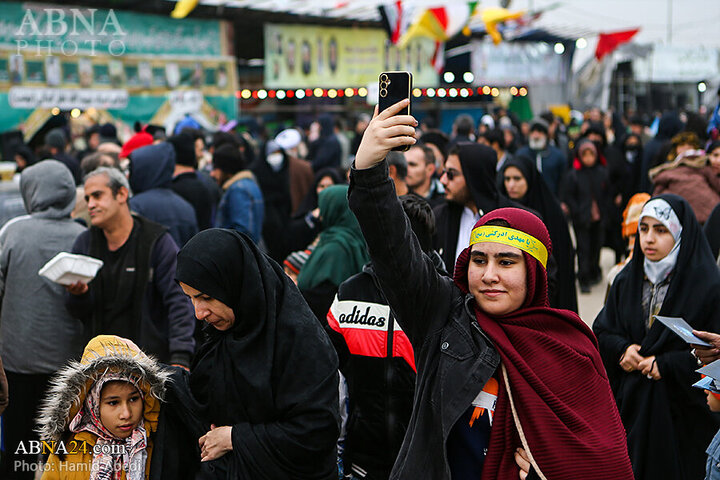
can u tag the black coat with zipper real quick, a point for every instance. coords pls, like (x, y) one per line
(454, 358)
(380, 385)
(380, 381)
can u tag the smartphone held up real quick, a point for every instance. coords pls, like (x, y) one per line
(394, 87)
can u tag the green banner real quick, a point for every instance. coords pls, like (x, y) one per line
(40, 29)
(307, 56)
(214, 76)
(139, 108)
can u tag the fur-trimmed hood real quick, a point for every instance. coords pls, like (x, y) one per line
(68, 388)
(691, 158)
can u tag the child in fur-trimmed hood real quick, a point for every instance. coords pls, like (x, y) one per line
(104, 409)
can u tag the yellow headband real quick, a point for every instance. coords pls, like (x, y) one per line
(512, 237)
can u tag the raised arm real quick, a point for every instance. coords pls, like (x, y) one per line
(419, 296)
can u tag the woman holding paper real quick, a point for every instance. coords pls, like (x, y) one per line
(672, 273)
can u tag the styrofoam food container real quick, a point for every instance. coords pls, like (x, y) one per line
(68, 268)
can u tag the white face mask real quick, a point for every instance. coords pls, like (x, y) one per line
(537, 143)
(275, 160)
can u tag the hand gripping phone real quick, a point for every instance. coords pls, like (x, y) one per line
(394, 87)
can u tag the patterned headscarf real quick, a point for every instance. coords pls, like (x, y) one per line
(112, 455)
(661, 210)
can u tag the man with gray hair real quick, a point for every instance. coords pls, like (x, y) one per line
(134, 294)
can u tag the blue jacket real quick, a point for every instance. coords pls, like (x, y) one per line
(151, 174)
(241, 206)
(712, 468)
(714, 120)
(553, 163)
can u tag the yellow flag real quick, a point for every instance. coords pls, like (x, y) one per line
(183, 8)
(427, 25)
(492, 16)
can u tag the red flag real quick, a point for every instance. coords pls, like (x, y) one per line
(608, 42)
(394, 19)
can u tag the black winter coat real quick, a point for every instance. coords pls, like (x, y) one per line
(580, 188)
(453, 355)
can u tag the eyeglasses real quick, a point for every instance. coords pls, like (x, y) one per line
(451, 173)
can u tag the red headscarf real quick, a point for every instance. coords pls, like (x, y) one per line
(559, 405)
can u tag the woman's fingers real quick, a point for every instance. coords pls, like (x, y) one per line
(522, 459)
(400, 130)
(399, 120)
(522, 462)
(393, 109)
(400, 141)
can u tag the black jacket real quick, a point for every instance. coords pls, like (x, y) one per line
(454, 357)
(447, 229)
(380, 380)
(192, 188)
(164, 320)
(580, 188)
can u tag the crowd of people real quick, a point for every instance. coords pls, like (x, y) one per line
(385, 301)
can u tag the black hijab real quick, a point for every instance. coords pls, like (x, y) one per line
(273, 374)
(667, 422)
(540, 199)
(478, 165)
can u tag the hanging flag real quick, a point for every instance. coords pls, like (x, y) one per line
(493, 17)
(502, 24)
(438, 58)
(183, 8)
(608, 42)
(394, 19)
(440, 24)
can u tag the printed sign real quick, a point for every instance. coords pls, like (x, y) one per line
(34, 97)
(303, 56)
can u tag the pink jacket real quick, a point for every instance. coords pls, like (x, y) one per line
(700, 186)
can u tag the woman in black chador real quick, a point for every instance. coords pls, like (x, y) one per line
(672, 273)
(537, 196)
(262, 401)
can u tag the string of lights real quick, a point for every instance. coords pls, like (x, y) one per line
(441, 92)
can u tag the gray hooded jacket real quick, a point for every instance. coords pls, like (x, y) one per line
(37, 334)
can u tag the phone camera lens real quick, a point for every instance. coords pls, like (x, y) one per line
(383, 92)
(383, 78)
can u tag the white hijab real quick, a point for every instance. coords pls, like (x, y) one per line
(660, 210)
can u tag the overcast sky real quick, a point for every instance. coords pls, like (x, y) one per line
(694, 22)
